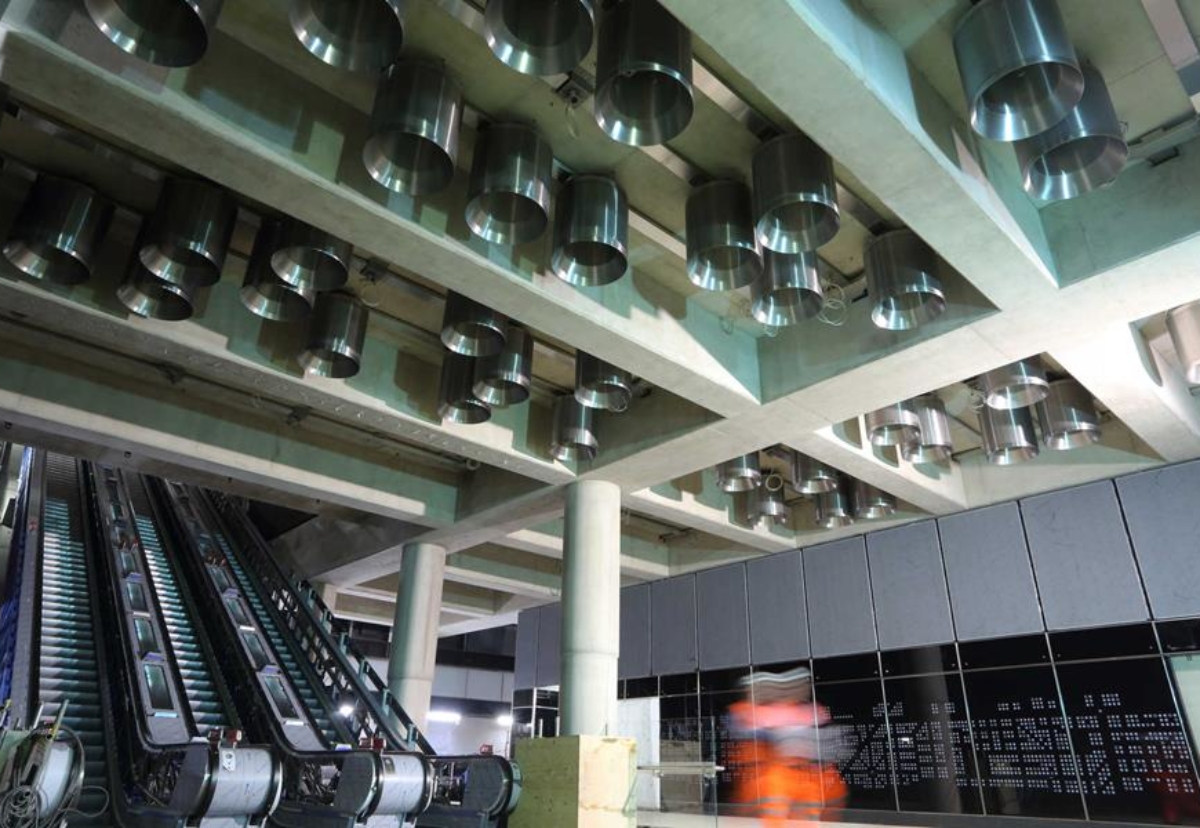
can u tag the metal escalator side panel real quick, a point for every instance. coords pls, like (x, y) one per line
(20, 612)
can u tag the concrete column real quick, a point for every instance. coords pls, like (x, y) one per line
(413, 652)
(591, 608)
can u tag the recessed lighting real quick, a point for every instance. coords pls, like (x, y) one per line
(445, 716)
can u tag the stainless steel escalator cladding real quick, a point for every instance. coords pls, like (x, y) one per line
(833, 508)
(185, 239)
(902, 281)
(811, 476)
(1016, 385)
(1018, 68)
(164, 32)
(1183, 326)
(310, 259)
(359, 35)
(574, 436)
(1083, 151)
(57, 233)
(336, 336)
(894, 425)
(722, 250)
(415, 124)
(871, 502)
(457, 402)
(504, 379)
(934, 446)
(1008, 435)
(509, 189)
(147, 295)
(1067, 416)
(789, 290)
(263, 292)
(795, 195)
(601, 385)
(472, 329)
(539, 37)
(644, 92)
(591, 231)
(740, 474)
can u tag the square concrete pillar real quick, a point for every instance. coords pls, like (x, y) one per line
(576, 782)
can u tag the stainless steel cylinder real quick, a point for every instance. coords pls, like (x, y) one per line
(415, 123)
(1183, 325)
(504, 378)
(165, 32)
(539, 37)
(187, 236)
(795, 195)
(1068, 416)
(1008, 435)
(472, 329)
(574, 437)
(833, 508)
(58, 231)
(894, 425)
(771, 501)
(599, 384)
(263, 292)
(643, 74)
(739, 474)
(509, 192)
(934, 445)
(745, 507)
(336, 336)
(1016, 385)
(811, 476)
(309, 259)
(1018, 68)
(146, 295)
(872, 503)
(457, 402)
(789, 290)
(591, 231)
(359, 35)
(1083, 151)
(902, 281)
(722, 251)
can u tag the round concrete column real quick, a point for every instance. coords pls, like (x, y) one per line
(413, 652)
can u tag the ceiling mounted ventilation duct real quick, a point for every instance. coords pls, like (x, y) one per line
(1016, 385)
(413, 147)
(599, 384)
(811, 476)
(1183, 324)
(902, 281)
(263, 292)
(359, 35)
(472, 329)
(934, 445)
(336, 336)
(871, 503)
(147, 295)
(771, 501)
(833, 509)
(509, 190)
(795, 195)
(539, 37)
(722, 252)
(504, 378)
(1068, 416)
(1018, 67)
(309, 259)
(739, 474)
(58, 231)
(1008, 435)
(643, 74)
(457, 402)
(591, 231)
(789, 290)
(574, 437)
(894, 425)
(185, 239)
(165, 32)
(1083, 151)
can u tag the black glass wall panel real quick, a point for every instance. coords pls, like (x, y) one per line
(856, 741)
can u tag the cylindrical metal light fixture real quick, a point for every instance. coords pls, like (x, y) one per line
(811, 476)
(359, 35)
(934, 445)
(1018, 67)
(574, 436)
(57, 232)
(1183, 324)
(165, 32)
(722, 251)
(795, 195)
(187, 236)
(309, 259)
(336, 336)
(263, 292)
(739, 474)
(746, 508)
(902, 281)
(539, 37)
(894, 425)
(789, 290)
(1068, 416)
(599, 384)
(413, 147)
(147, 295)
(1016, 385)
(504, 378)
(833, 508)
(643, 74)
(591, 231)
(871, 502)
(509, 191)
(771, 502)
(457, 402)
(472, 329)
(1083, 151)
(1008, 435)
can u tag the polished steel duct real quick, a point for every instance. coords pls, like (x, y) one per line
(1183, 325)
(795, 195)
(165, 32)
(591, 231)
(472, 329)
(771, 500)
(934, 445)
(58, 231)
(746, 507)
(415, 123)
(185, 239)
(574, 437)
(722, 251)
(1083, 151)
(539, 37)
(263, 292)
(308, 258)
(509, 190)
(1016, 385)
(872, 503)
(504, 379)
(457, 402)
(833, 508)
(789, 290)
(1008, 435)
(643, 74)
(146, 295)
(811, 476)
(739, 474)
(336, 336)
(359, 35)
(1018, 68)
(894, 425)
(599, 384)
(902, 281)
(1068, 416)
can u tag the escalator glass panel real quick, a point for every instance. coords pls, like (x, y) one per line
(137, 597)
(128, 564)
(258, 652)
(238, 612)
(156, 683)
(147, 642)
(279, 697)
